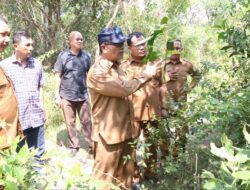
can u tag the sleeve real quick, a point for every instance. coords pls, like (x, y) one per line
(195, 73)
(164, 75)
(107, 84)
(89, 59)
(41, 77)
(58, 67)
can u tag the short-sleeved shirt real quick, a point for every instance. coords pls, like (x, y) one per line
(27, 82)
(73, 69)
(177, 89)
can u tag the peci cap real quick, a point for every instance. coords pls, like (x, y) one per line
(111, 35)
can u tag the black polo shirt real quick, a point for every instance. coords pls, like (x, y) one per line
(74, 69)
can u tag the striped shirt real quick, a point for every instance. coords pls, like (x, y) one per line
(27, 82)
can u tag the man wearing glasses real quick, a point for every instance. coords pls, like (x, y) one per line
(9, 125)
(146, 101)
(71, 94)
(112, 112)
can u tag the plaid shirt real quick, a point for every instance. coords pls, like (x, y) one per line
(27, 82)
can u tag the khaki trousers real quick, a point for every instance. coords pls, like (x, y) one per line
(82, 108)
(110, 166)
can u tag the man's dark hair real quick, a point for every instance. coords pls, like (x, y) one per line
(131, 35)
(178, 40)
(3, 19)
(19, 34)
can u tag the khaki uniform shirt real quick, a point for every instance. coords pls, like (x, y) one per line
(112, 113)
(146, 100)
(177, 89)
(8, 112)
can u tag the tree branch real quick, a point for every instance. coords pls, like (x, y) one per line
(109, 24)
(114, 14)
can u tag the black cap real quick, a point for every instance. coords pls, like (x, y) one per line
(111, 35)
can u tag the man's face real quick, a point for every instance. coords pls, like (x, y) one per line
(4, 35)
(138, 51)
(114, 52)
(76, 41)
(24, 48)
(177, 48)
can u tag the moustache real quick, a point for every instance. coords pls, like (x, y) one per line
(175, 57)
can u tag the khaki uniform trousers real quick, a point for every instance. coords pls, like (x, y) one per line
(110, 166)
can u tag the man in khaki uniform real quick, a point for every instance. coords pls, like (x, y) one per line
(175, 88)
(146, 100)
(112, 112)
(9, 125)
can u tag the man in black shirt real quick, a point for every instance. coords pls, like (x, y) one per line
(71, 94)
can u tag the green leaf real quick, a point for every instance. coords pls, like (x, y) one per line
(213, 185)
(76, 170)
(207, 174)
(19, 173)
(222, 35)
(164, 20)
(244, 175)
(152, 39)
(246, 135)
(7, 169)
(225, 168)
(14, 144)
(242, 156)
(226, 47)
(226, 142)
(170, 45)
(234, 53)
(153, 56)
(10, 186)
(23, 154)
(210, 185)
(220, 22)
(222, 152)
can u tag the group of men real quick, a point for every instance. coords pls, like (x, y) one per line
(126, 97)
(114, 99)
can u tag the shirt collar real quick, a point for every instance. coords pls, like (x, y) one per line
(132, 61)
(180, 62)
(108, 63)
(30, 61)
(70, 53)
